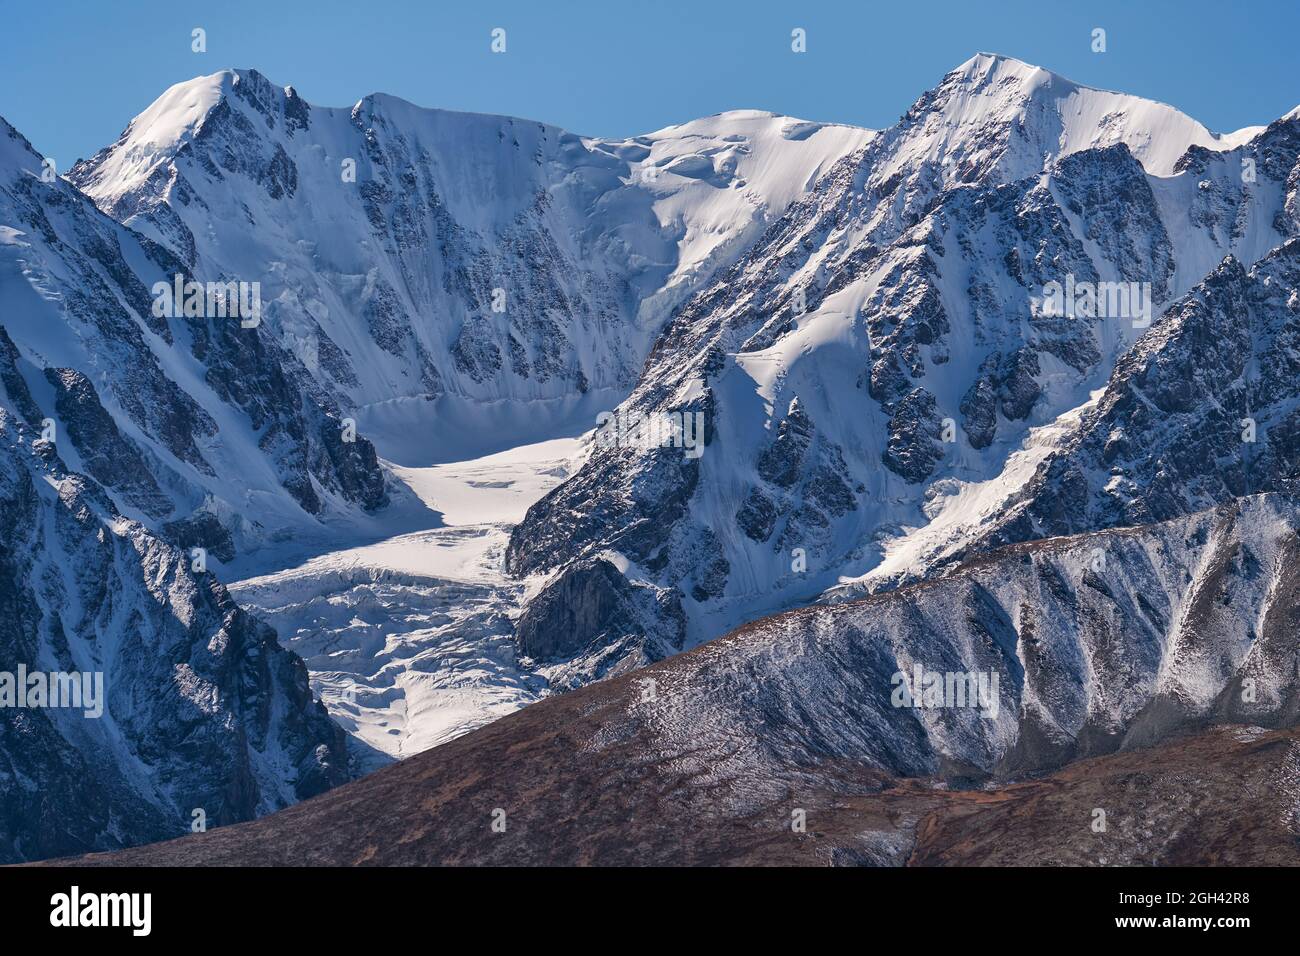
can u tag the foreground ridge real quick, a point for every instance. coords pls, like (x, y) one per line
(709, 756)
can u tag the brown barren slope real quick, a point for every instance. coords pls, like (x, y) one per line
(1230, 795)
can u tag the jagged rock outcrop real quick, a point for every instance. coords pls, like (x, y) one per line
(593, 609)
(1200, 411)
(1006, 384)
(201, 709)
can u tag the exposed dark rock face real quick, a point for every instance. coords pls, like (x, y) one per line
(592, 607)
(202, 709)
(202, 530)
(224, 139)
(915, 436)
(1199, 412)
(572, 520)
(105, 455)
(16, 393)
(807, 491)
(1110, 194)
(1006, 384)
(782, 462)
(757, 516)
(646, 628)
(299, 428)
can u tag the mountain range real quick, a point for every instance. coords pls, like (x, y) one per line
(1004, 389)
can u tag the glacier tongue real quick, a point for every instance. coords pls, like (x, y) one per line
(410, 641)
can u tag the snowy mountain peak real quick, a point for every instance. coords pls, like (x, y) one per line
(850, 320)
(983, 65)
(16, 153)
(999, 114)
(165, 125)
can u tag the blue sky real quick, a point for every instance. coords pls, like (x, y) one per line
(73, 72)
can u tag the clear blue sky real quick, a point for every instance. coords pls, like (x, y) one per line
(74, 72)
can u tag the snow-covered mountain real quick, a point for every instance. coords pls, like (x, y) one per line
(879, 371)
(377, 303)
(127, 440)
(862, 321)
(709, 756)
(458, 284)
(426, 265)
(204, 429)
